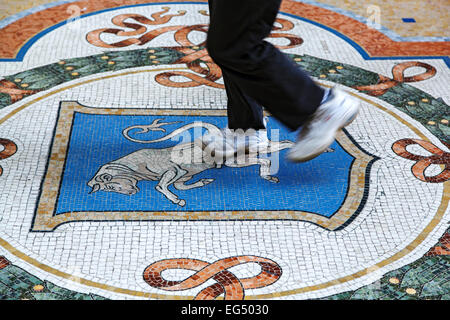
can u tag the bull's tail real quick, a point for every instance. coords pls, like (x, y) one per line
(156, 126)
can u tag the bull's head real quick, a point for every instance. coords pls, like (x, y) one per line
(114, 178)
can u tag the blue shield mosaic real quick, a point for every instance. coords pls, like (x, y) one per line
(111, 168)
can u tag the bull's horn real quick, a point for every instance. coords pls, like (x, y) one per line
(95, 188)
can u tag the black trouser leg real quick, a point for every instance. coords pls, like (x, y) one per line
(255, 72)
(243, 111)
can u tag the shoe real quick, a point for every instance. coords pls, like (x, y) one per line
(229, 142)
(319, 132)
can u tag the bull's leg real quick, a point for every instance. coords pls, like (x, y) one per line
(264, 167)
(180, 185)
(166, 180)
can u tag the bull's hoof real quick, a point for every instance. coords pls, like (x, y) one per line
(181, 203)
(271, 179)
(206, 181)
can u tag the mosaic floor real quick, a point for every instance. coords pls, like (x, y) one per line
(93, 93)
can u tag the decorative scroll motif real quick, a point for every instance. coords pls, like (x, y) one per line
(93, 37)
(4, 262)
(196, 58)
(13, 90)
(398, 73)
(227, 282)
(438, 157)
(442, 248)
(9, 148)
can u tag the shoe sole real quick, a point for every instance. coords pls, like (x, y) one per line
(325, 147)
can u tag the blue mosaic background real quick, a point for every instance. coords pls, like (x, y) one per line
(317, 186)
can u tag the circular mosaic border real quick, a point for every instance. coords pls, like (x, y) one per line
(408, 249)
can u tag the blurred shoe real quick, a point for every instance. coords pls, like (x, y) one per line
(318, 133)
(229, 142)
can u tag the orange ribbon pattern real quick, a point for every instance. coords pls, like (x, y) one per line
(438, 157)
(442, 248)
(9, 148)
(398, 72)
(206, 72)
(4, 262)
(226, 282)
(13, 90)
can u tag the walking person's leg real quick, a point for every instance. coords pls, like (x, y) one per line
(243, 112)
(246, 123)
(261, 72)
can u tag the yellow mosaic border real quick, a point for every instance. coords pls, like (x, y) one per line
(408, 249)
(45, 220)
